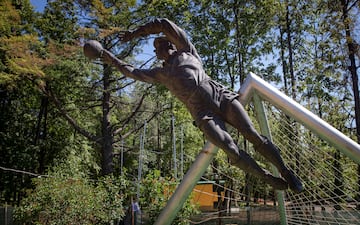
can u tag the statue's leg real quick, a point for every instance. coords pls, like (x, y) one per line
(215, 131)
(272, 153)
(237, 116)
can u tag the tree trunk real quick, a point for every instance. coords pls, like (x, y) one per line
(288, 74)
(240, 71)
(290, 50)
(159, 144)
(107, 138)
(283, 60)
(355, 81)
(41, 132)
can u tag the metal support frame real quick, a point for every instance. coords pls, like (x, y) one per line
(265, 130)
(187, 184)
(254, 84)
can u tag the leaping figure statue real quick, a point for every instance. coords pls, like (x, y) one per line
(210, 104)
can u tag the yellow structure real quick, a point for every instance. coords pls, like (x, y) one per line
(206, 195)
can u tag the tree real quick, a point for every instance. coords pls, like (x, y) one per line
(20, 71)
(352, 46)
(105, 19)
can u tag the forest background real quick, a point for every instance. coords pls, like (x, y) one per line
(86, 129)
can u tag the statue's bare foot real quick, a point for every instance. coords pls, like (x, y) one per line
(294, 183)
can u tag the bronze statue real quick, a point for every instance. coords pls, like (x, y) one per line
(210, 103)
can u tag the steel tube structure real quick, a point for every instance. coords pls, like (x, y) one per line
(254, 83)
(265, 130)
(187, 184)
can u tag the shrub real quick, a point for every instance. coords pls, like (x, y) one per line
(61, 199)
(156, 191)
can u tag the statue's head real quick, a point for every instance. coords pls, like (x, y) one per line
(163, 48)
(163, 41)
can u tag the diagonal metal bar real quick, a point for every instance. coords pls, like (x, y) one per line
(187, 184)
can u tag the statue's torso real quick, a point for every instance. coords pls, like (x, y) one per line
(183, 76)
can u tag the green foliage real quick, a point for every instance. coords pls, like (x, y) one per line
(16, 17)
(156, 191)
(171, 9)
(62, 198)
(231, 36)
(18, 148)
(18, 44)
(9, 17)
(65, 29)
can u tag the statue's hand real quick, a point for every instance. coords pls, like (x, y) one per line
(126, 36)
(93, 49)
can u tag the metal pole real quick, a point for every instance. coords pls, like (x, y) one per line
(174, 145)
(122, 158)
(265, 130)
(6, 214)
(139, 168)
(300, 114)
(186, 186)
(142, 147)
(182, 152)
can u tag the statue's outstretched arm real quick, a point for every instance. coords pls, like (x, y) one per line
(175, 34)
(93, 50)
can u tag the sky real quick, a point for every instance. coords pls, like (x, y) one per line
(38, 4)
